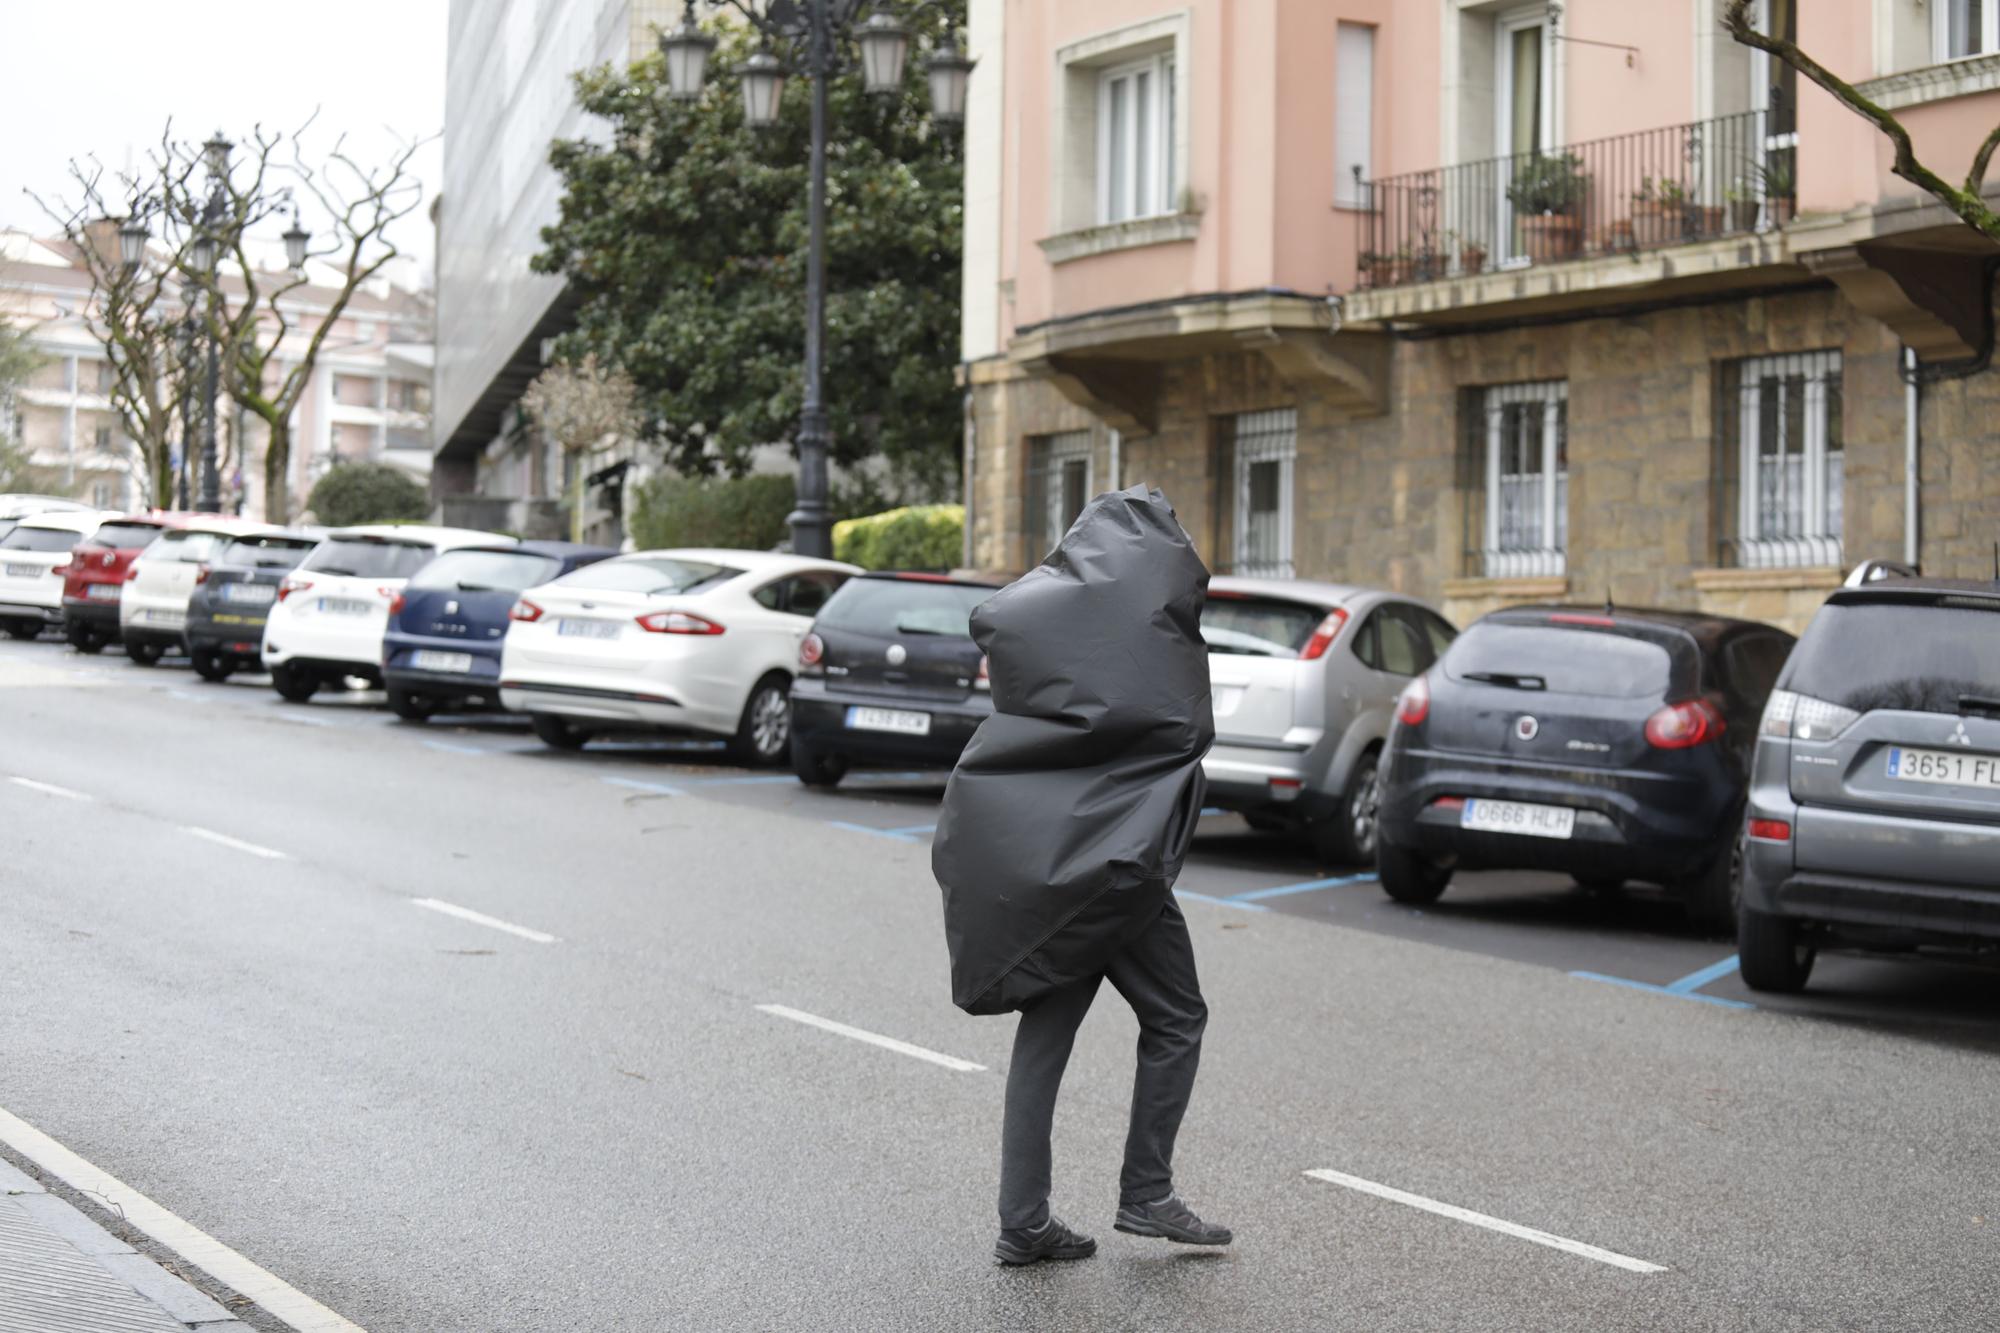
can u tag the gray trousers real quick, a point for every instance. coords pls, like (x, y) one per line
(1155, 974)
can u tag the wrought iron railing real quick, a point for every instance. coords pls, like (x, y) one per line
(1620, 195)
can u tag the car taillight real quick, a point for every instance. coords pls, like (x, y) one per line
(812, 651)
(525, 610)
(201, 574)
(1414, 705)
(59, 570)
(1771, 830)
(290, 585)
(1323, 637)
(984, 680)
(1791, 716)
(390, 591)
(677, 622)
(1683, 725)
(397, 603)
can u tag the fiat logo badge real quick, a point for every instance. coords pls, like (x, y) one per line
(896, 654)
(1526, 727)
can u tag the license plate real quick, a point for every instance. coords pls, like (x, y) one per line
(155, 616)
(257, 594)
(1945, 766)
(426, 660)
(25, 571)
(345, 606)
(572, 628)
(1537, 821)
(889, 719)
(101, 592)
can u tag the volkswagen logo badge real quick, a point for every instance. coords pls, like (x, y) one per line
(896, 654)
(1526, 727)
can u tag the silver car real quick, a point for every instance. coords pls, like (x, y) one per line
(1874, 808)
(1305, 677)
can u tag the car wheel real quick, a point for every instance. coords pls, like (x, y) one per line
(1408, 877)
(293, 684)
(1712, 895)
(764, 735)
(411, 706)
(817, 768)
(24, 629)
(1348, 838)
(1772, 953)
(210, 665)
(85, 639)
(145, 654)
(556, 732)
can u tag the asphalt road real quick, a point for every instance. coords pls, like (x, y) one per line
(217, 982)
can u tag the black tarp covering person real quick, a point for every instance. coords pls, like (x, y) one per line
(1063, 829)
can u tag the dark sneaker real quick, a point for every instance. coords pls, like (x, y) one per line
(1053, 1241)
(1169, 1219)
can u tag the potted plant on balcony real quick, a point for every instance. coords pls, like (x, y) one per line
(1471, 252)
(1775, 178)
(1661, 213)
(1744, 205)
(1547, 194)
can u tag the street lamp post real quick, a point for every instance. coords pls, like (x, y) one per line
(812, 30)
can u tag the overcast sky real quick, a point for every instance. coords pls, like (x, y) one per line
(104, 78)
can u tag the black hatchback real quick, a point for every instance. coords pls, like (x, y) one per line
(890, 674)
(232, 599)
(1609, 745)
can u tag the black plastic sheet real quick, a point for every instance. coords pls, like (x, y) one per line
(1068, 817)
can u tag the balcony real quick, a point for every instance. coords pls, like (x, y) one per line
(1684, 205)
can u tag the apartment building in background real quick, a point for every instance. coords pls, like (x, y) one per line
(1486, 302)
(368, 400)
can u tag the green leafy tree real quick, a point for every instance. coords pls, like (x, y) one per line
(744, 513)
(684, 235)
(353, 493)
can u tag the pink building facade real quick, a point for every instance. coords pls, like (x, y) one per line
(1484, 302)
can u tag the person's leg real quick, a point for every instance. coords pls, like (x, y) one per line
(1155, 973)
(1041, 1051)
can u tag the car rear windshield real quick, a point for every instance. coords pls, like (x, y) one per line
(1560, 660)
(650, 574)
(125, 536)
(187, 547)
(486, 571)
(888, 607)
(265, 552)
(1920, 657)
(1258, 626)
(40, 539)
(368, 557)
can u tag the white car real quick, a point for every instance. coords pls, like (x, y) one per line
(333, 609)
(692, 641)
(17, 505)
(32, 559)
(152, 612)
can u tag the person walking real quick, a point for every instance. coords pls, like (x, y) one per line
(1063, 829)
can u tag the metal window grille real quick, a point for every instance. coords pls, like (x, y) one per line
(1516, 478)
(1780, 461)
(1059, 485)
(1265, 447)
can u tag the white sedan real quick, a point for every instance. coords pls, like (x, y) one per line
(691, 641)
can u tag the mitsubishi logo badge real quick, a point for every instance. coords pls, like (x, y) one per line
(1526, 727)
(1959, 737)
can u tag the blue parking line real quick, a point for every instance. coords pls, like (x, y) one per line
(886, 777)
(656, 788)
(1309, 886)
(1662, 990)
(895, 834)
(1220, 902)
(450, 748)
(917, 828)
(1208, 810)
(757, 781)
(1694, 981)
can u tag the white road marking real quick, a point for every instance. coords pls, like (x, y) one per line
(50, 789)
(273, 1294)
(237, 844)
(467, 914)
(1514, 1229)
(873, 1038)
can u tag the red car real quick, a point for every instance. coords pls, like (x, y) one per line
(94, 579)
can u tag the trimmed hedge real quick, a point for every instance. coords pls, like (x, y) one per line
(739, 513)
(352, 493)
(914, 537)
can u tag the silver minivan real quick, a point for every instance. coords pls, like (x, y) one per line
(1305, 677)
(1874, 808)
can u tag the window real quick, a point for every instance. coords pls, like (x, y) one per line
(368, 557)
(107, 377)
(474, 570)
(887, 607)
(103, 439)
(1058, 486)
(1753, 662)
(1965, 28)
(1525, 114)
(1353, 112)
(1781, 465)
(1236, 625)
(1266, 443)
(1524, 479)
(1135, 140)
(800, 595)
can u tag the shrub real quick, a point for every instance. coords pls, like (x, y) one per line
(744, 513)
(914, 537)
(354, 493)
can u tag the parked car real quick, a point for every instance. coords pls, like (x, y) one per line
(1612, 745)
(233, 598)
(332, 611)
(94, 583)
(1874, 812)
(17, 505)
(1305, 678)
(890, 674)
(695, 641)
(442, 647)
(152, 613)
(33, 557)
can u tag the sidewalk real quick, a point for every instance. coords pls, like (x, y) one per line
(60, 1272)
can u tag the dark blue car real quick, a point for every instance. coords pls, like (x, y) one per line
(442, 649)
